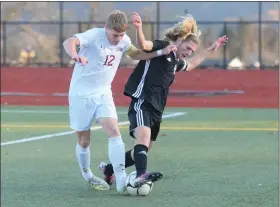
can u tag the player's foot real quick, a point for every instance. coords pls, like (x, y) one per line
(98, 184)
(108, 177)
(148, 176)
(121, 183)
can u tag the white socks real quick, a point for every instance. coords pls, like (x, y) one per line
(83, 157)
(116, 151)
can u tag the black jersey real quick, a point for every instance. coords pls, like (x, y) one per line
(151, 79)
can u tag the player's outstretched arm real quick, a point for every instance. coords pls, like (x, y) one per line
(142, 42)
(198, 59)
(137, 54)
(70, 45)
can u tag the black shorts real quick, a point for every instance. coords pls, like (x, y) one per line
(142, 113)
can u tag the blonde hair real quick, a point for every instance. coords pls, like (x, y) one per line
(117, 21)
(186, 29)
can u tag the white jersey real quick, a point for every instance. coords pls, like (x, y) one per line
(96, 76)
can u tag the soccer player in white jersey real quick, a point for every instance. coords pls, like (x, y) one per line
(90, 95)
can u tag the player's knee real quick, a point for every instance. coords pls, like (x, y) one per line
(142, 135)
(84, 139)
(84, 142)
(114, 131)
(150, 145)
(110, 126)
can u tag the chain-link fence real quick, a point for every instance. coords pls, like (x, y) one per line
(38, 41)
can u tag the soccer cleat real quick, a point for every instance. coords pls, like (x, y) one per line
(98, 184)
(153, 177)
(121, 183)
(109, 178)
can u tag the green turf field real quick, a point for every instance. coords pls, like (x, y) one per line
(209, 157)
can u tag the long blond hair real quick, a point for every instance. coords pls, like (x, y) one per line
(186, 29)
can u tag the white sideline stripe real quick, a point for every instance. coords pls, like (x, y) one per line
(72, 132)
(43, 111)
(49, 112)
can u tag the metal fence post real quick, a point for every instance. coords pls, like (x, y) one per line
(4, 42)
(153, 33)
(260, 35)
(158, 18)
(80, 27)
(225, 48)
(61, 34)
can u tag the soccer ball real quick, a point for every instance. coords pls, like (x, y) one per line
(144, 190)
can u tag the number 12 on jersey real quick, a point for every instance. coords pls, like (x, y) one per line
(109, 60)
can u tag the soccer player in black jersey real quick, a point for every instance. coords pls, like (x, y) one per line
(148, 87)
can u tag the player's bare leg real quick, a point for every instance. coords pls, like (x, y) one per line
(116, 150)
(83, 157)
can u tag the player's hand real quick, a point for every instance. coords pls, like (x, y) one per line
(81, 59)
(219, 42)
(168, 49)
(136, 20)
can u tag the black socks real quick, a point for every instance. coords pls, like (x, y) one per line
(140, 158)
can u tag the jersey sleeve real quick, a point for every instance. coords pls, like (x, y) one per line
(127, 43)
(129, 48)
(86, 38)
(158, 45)
(182, 65)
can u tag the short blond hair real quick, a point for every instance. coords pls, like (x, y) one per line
(186, 29)
(117, 21)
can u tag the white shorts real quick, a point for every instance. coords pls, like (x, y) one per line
(82, 110)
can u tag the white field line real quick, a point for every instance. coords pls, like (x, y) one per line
(43, 111)
(72, 132)
(49, 111)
